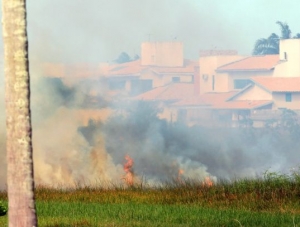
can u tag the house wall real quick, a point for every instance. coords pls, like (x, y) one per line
(279, 101)
(162, 54)
(290, 58)
(183, 78)
(255, 93)
(169, 114)
(164, 79)
(207, 70)
(157, 80)
(245, 75)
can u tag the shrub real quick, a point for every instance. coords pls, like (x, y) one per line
(3, 209)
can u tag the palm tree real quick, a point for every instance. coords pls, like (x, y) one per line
(297, 36)
(285, 30)
(20, 181)
(271, 44)
(267, 46)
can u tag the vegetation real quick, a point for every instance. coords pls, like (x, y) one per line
(270, 45)
(3, 209)
(271, 200)
(155, 144)
(124, 57)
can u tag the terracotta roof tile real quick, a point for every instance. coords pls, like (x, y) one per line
(78, 70)
(192, 101)
(266, 62)
(243, 104)
(171, 92)
(215, 100)
(279, 84)
(188, 67)
(125, 69)
(206, 99)
(135, 68)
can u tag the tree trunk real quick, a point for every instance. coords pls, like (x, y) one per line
(20, 181)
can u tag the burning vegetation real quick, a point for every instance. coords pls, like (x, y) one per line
(128, 169)
(69, 152)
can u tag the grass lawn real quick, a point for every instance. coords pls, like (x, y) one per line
(271, 202)
(95, 214)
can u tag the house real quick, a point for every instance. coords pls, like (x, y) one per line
(134, 78)
(263, 85)
(161, 63)
(221, 88)
(167, 95)
(236, 90)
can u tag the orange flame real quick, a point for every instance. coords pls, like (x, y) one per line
(208, 182)
(128, 168)
(180, 172)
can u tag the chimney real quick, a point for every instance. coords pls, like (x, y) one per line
(196, 81)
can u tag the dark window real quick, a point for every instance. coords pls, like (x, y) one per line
(117, 85)
(213, 82)
(240, 84)
(285, 56)
(140, 86)
(288, 97)
(181, 115)
(175, 79)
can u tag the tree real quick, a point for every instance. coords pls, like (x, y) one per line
(297, 36)
(20, 181)
(271, 44)
(285, 30)
(136, 57)
(267, 46)
(123, 57)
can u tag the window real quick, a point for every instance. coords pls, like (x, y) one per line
(288, 97)
(213, 82)
(117, 85)
(241, 83)
(140, 86)
(175, 79)
(285, 56)
(152, 58)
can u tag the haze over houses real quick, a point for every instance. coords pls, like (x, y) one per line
(220, 88)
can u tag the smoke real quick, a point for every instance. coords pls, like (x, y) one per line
(71, 151)
(62, 157)
(98, 31)
(68, 152)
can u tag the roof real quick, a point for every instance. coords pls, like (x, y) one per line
(127, 68)
(243, 104)
(278, 84)
(210, 98)
(188, 67)
(135, 68)
(78, 70)
(220, 100)
(253, 63)
(171, 92)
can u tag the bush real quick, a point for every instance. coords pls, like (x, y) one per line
(3, 209)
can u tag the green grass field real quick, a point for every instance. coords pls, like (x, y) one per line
(271, 201)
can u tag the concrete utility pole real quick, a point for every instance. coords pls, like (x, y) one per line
(20, 180)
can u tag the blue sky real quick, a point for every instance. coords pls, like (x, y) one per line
(99, 30)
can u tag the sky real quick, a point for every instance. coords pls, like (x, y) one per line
(99, 30)
(76, 31)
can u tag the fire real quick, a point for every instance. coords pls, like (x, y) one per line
(180, 173)
(128, 168)
(208, 182)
